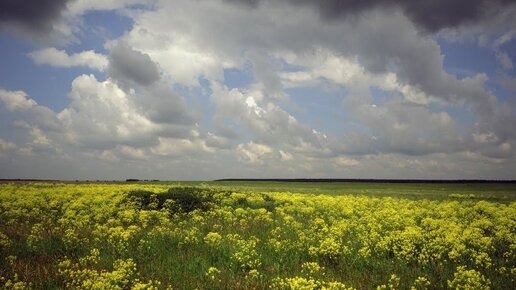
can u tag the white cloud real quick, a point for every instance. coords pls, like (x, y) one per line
(386, 77)
(6, 146)
(133, 153)
(106, 155)
(16, 100)
(78, 7)
(105, 119)
(265, 120)
(285, 155)
(504, 59)
(39, 138)
(485, 137)
(182, 61)
(59, 58)
(180, 148)
(253, 153)
(134, 67)
(509, 83)
(346, 161)
(381, 49)
(221, 142)
(101, 114)
(494, 31)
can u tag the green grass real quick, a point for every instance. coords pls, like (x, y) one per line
(163, 228)
(482, 191)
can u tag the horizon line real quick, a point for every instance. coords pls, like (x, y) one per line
(307, 180)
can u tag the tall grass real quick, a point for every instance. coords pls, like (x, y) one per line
(148, 236)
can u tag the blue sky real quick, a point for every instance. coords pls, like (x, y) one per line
(216, 89)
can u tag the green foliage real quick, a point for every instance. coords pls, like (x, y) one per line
(176, 199)
(159, 236)
(468, 280)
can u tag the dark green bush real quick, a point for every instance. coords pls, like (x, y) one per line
(176, 199)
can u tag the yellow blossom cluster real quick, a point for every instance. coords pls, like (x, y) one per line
(104, 236)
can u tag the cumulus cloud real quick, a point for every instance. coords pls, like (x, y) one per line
(52, 22)
(382, 49)
(16, 100)
(127, 64)
(78, 7)
(346, 161)
(59, 58)
(6, 146)
(509, 83)
(136, 72)
(428, 14)
(165, 101)
(37, 16)
(504, 59)
(102, 115)
(253, 153)
(265, 72)
(184, 62)
(19, 102)
(382, 41)
(253, 113)
(165, 106)
(178, 147)
(407, 128)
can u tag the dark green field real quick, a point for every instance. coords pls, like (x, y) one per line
(481, 191)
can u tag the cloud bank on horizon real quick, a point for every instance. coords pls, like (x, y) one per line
(257, 88)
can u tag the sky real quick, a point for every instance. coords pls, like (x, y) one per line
(208, 89)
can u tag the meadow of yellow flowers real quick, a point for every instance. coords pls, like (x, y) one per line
(158, 236)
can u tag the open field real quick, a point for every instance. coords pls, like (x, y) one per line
(257, 235)
(485, 191)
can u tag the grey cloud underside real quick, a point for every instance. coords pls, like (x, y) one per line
(126, 64)
(382, 41)
(135, 70)
(431, 15)
(33, 15)
(136, 113)
(165, 106)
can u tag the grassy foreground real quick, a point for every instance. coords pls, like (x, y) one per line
(239, 235)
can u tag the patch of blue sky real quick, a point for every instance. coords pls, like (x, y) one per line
(6, 124)
(467, 59)
(381, 97)
(321, 109)
(237, 78)
(97, 28)
(287, 67)
(197, 100)
(14, 61)
(141, 6)
(49, 86)
(509, 48)
(463, 117)
(12, 127)
(241, 133)
(203, 90)
(497, 88)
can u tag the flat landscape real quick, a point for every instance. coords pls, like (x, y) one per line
(257, 235)
(258, 144)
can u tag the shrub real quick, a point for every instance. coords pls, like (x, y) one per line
(176, 199)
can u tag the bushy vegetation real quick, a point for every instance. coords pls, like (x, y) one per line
(175, 199)
(151, 236)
